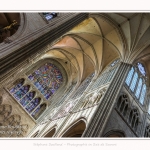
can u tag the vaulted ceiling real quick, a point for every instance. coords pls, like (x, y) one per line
(102, 38)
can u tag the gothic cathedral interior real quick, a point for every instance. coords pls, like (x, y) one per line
(74, 74)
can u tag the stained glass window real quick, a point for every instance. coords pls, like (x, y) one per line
(141, 68)
(49, 15)
(33, 104)
(47, 79)
(143, 94)
(129, 77)
(136, 81)
(25, 97)
(25, 100)
(138, 88)
(17, 86)
(38, 111)
(21, 92)
(133, 84)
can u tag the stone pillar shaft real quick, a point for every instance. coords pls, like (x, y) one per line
(96, 125)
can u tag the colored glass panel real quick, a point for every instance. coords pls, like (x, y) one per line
(21, 92)
(138, 90)
(34, 103)
(129, 77)
(14, 89)
(49, 16)
(134, 80)
(36, 111)
(47, 79)
(142, 97)
(25, 100)
(141, 69)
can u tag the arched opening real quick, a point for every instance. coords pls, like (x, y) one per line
(134, 119)
(122, 104)
(39, 111)
(50, 133)
(35, 134)
(9, 24)
(76, 130)
(114, 134)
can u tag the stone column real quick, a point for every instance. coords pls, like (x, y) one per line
(96, 125)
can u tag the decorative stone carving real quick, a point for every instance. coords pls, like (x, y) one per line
(13, 127)
(94, 97)
(68, 106)
(66, 109)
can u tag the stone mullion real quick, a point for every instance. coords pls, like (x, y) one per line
(103, 111)
(135, 122)
(35, 108)
(124, 107)
(143, 82)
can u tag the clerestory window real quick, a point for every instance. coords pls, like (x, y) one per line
(136, 81)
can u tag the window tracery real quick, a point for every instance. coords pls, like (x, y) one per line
(106, 76)
(49, 15)
(83, 86)
(123, 104)
(47, 79)
(134, 119)
(130, 115)
(66, 95)
(25, 96)
(136, 81)
(39, 110)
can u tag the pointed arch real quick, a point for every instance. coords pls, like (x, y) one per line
(115, 134)
(76, 129)
(35, 134)
(136, 82)
(50, 132)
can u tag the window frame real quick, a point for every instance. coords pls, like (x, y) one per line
(141, 77)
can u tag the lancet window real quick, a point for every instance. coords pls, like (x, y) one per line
(24, 94)
(136, 81)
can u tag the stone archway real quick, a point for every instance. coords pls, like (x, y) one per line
(50, 133)
(115, 134)
(76, 130)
